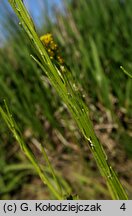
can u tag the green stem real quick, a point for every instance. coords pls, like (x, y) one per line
(64, 87)
(26, 149)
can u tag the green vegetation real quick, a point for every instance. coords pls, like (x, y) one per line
(90, 74)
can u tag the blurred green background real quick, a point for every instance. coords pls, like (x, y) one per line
(95, 39)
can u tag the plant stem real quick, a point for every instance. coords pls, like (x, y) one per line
(26, 149)
(64, 85)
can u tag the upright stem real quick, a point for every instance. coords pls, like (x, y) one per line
(64, 85)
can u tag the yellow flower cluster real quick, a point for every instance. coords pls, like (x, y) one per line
(51, 47)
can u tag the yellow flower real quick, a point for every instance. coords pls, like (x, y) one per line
(46, 39)
(53, 45)
(52, 48)
(51, 53)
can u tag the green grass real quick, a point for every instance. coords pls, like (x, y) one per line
(94, 57)
(126, 72)
(102, 40)
(56, 188)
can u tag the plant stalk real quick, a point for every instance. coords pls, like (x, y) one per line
(64, 85)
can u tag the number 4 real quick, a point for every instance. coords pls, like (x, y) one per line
(123, 207)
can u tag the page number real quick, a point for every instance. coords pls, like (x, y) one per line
(123, 207)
